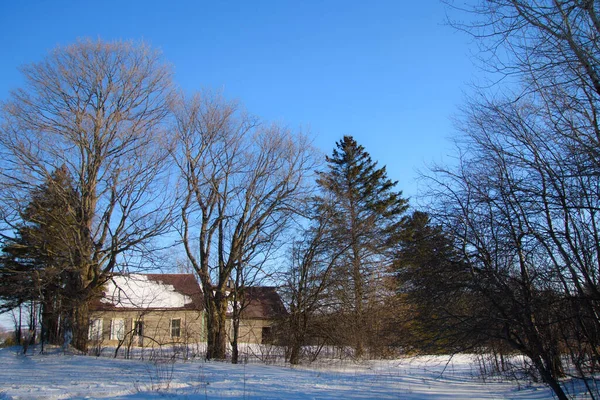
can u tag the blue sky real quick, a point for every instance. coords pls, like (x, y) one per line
(389, 73)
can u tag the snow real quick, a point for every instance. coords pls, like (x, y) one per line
(137, 291)
(57, 376)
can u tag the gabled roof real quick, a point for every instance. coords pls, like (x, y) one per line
(263, 302)
(147, 292)
(136, 292)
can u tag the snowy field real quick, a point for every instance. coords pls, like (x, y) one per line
(60, 376)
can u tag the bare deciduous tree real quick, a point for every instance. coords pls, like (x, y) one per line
(98, 108)
(312, 260)
(240, 185)
(524, 209)
(494, 205)
(523, 200)
(550, 40)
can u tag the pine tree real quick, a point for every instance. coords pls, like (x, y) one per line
(368, 214)
(430, 279)
(40, 263)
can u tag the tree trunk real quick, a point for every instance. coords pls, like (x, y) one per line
(549, 379)
(217, 331)
(358, 327)
(295, 353)
(76, 325)
(297, 340)
(18, 331)
(234, 342)
(236, 333)
(210, 333)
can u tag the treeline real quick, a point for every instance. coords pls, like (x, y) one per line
(521, 204)
(102, 157)
(506, 260)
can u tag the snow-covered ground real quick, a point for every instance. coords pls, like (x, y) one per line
(58, 376)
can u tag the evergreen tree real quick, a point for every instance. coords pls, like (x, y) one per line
(368, 214)
(41, 262)
(431, 281)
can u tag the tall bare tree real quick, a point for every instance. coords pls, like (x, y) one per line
(499, 208)
(309, 279)
(240, 184)
(98, 108)
(523, 200)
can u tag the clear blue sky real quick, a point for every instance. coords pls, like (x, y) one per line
(389, 73)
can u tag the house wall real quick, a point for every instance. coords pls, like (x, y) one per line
(157, 330)
(251, 330)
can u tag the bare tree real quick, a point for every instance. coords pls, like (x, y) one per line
(244, 278)
(98, 108)
(523, 200)
(313, 259)
(551, 40)
(240, 182)
(525, 214)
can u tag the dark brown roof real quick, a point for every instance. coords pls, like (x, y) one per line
(185, 284)
(263, 302)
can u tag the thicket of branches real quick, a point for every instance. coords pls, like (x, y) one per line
(510, 263)
(522, 202)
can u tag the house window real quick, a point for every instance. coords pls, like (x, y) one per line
(138, 328)
(267, 335)
(176, 327)
(117, 329)
(95, 332)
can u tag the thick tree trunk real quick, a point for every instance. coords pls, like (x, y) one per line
(217, 328)
(298, 332)
(297, 340)
(210, 334)
(80, 329)
(76, 326)
(295, 353)
(76, 304)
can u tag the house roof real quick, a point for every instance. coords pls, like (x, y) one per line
(136, 292)
(263, 302)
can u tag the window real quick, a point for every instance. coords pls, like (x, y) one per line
(95, 332)
(117, 329)
(138, 328)
(267, 335)
(176, 327)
